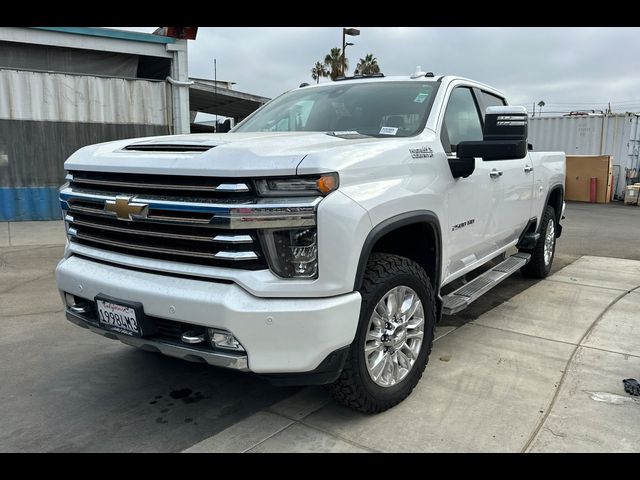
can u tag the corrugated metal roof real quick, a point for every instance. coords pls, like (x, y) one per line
(42, 96)
(205, 97)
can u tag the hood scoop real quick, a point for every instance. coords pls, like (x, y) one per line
(167, 147)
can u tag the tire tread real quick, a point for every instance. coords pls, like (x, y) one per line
(347, 389)
(536, 267)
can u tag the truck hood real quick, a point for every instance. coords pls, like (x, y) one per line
(230, 154)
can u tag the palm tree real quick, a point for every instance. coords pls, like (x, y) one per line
(318, 71)
(368, 65)
(541, 104)
(335, 63)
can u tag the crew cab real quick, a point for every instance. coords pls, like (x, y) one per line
(312, 243)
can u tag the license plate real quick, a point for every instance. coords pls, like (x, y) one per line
(119, 318)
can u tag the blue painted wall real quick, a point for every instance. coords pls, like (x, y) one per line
(29, 203)
(36, 152)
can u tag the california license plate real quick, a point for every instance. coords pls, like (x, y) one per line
(119, 318)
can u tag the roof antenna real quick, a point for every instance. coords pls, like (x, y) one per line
(418, 73)
(215, 87)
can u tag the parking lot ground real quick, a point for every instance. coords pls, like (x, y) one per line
(530, 366)
(67, 389)
(541, 372)
(601, 229)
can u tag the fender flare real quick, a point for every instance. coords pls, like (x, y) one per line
(393, 223)
(557, 186)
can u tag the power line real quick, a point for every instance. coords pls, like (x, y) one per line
(635, 101)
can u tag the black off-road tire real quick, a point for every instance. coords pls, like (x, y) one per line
(354, 387)
(537, 268)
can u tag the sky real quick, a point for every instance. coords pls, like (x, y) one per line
(575, 68)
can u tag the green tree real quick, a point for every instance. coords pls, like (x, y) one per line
(541, 104)
(335, 63)
(368, 65)
(318, 71)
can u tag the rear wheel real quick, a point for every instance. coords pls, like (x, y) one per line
(394, 337)
(542, 255)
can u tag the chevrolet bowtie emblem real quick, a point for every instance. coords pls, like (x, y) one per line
(125, 209)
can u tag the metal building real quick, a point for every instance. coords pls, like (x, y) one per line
(601, 134)
(62, 88)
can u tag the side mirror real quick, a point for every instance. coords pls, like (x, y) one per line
(504, 136)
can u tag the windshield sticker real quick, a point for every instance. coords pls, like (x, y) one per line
(421, 97)
(423, 94)
(422, 152)
(388, 131)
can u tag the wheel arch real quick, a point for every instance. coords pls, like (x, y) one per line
(555, 197)
(384, 237)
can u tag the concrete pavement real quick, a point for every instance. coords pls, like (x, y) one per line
(542, 372)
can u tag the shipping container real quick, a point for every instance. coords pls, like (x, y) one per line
(614, 134)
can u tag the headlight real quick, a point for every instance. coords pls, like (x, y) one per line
(297, 186)
(292, 253)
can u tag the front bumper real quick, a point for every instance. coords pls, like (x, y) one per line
(280, 335)
(217, 359)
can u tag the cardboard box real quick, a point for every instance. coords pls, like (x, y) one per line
(580, 170)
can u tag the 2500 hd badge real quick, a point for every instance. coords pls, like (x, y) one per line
(458, 226)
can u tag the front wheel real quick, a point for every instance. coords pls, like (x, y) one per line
(394, 337)
(542, 255)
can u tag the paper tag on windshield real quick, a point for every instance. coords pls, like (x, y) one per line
(388, 131)
(421, 97)
(346, 132)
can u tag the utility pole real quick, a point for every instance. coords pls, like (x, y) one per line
(344, 58)
(215, 86)
(354, 32)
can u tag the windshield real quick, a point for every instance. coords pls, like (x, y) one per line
(380, 109)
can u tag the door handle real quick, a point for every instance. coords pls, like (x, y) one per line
(528, 169)
(495, 173)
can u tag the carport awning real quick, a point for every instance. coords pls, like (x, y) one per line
(204, 97)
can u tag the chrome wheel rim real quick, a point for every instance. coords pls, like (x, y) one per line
(394, 336)
(549, 241)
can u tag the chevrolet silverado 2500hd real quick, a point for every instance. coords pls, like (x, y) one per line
(312, 242)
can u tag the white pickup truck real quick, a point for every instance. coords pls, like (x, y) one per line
(312, 242)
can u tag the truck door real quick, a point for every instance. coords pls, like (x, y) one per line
(515, 180)
(473, 202)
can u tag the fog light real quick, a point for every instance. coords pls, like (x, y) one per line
(223, 339)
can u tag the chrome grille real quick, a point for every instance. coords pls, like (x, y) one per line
(191, 244)
(200, 220)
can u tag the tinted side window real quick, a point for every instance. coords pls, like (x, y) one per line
(461, 120)
(491, 100)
